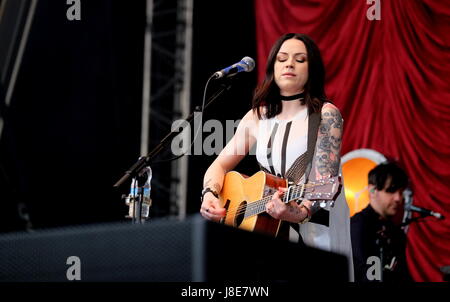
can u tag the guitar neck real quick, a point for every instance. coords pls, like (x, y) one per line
(259, 206)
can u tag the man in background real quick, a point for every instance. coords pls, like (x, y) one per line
(378, 241)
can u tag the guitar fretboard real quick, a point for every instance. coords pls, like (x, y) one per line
(259, 206)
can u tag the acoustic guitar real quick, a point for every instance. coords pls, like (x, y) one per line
(245, 198)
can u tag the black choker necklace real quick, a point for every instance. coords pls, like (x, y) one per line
(301, 95)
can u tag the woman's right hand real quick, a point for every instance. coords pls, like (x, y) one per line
(211, 208)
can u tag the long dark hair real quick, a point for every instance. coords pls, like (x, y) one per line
(267, 93)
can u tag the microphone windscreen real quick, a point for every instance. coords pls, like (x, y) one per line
(249, 62)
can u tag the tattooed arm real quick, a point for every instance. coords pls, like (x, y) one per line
(327, 157)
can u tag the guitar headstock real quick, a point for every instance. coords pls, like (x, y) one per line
(324, 189)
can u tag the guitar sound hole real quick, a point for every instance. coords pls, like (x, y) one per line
(240, 213)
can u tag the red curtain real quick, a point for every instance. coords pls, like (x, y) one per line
(391, 80)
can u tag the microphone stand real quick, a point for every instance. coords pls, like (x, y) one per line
(414, 219)
(139, 201)
(135, 199)
(411, 220)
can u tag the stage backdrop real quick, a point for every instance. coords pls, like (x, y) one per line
(390, 79)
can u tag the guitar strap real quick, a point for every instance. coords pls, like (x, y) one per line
(313, 127)
(321, 216)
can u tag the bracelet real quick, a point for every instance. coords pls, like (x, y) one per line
(308, 217)
(206, 190)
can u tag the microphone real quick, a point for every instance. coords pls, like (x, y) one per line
(246, 64)
(423, 211)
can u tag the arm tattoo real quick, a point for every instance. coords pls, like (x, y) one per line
(329, 144)
(294, 210)
(216, 187)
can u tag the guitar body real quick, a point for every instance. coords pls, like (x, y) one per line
(238, 194)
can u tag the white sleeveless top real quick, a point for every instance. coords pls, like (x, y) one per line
(281, 142)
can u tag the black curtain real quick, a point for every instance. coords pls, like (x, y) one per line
(74, 119)
(73, 125)
(224, 33)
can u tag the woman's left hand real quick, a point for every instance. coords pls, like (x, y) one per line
(278, 209)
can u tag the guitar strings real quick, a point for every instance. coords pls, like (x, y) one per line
(258, 206)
